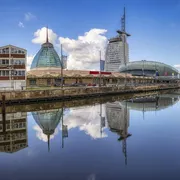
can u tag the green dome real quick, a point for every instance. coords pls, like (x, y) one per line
(148, 68)
(48, 120)
(46, 57)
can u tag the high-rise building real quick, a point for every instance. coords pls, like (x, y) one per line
(118, 121)
(117, 51)
(12, 67)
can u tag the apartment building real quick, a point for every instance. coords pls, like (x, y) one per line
(12, 67)
(13, 132)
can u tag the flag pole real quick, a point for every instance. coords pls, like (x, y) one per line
(61, 68)
(100, 69)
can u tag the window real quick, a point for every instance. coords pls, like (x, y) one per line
(32, 81)
(4, 61)
(23, 73)
(7, 73)
(19, 73)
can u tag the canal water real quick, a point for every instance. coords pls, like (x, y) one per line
(120, 139)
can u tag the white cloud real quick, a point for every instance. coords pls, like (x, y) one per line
(29, 61)
(29, 16)
(84, 52)
(86, 119)
(40, 135)
(20, 24)
(40, 36)
(177, 66)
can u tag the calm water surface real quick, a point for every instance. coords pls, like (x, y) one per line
(138, 138)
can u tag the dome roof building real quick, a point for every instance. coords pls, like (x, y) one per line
(153, 103)
(47, 56)
(48, 121)
(148, 68)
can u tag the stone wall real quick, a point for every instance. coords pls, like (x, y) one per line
(29, 95)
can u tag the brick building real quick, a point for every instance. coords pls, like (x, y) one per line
(12, 67)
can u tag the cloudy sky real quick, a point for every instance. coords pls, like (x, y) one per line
(83, 26)
(86, 119)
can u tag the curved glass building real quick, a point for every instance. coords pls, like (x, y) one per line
(46, 57)
(48, 121)
(148, 68)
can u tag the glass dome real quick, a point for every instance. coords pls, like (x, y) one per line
(148, 68)
(46, 57)
(48, 120)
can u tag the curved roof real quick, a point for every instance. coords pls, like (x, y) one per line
(150, 103)
(48, 120)
(46, 56)
(148, 66)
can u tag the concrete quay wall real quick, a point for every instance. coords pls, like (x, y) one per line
(12, 97)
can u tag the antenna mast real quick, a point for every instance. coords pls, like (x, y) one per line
(123, 21)
(47, 39)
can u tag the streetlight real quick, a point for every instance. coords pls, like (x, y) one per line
(100, 69)
(61, 68)
(143, 71)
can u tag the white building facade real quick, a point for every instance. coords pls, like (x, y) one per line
(12, 68)
(117, 53)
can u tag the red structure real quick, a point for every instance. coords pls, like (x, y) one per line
(97, 72)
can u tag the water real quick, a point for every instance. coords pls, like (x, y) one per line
(136, 138)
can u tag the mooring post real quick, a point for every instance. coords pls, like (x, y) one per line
(4, 113)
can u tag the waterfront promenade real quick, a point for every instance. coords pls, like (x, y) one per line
(29, 96)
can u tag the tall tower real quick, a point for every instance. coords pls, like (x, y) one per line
(117, 52)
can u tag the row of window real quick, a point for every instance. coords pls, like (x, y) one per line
(14, 147)
(15, 136)
(13, 51)
(13, 62)
(17, 125)
(12, 73)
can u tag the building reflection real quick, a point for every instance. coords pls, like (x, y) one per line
(13, 132)
(118, 113)
(48, 121)
(118, 121)
(153, 103)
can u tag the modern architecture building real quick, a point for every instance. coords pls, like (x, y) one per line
(48, 120)
(12, 67)
(117, 51)
(13, 132)
(148, 68)
(118, 118)
(151, 103)
(118, 121)
(46, 56)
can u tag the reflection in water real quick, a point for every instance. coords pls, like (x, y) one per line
(153, 103)
(118, 120)
(13, 132)
(92, 146)
(48, 121)
(89, 119)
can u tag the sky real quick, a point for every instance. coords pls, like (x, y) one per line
(84, 27)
